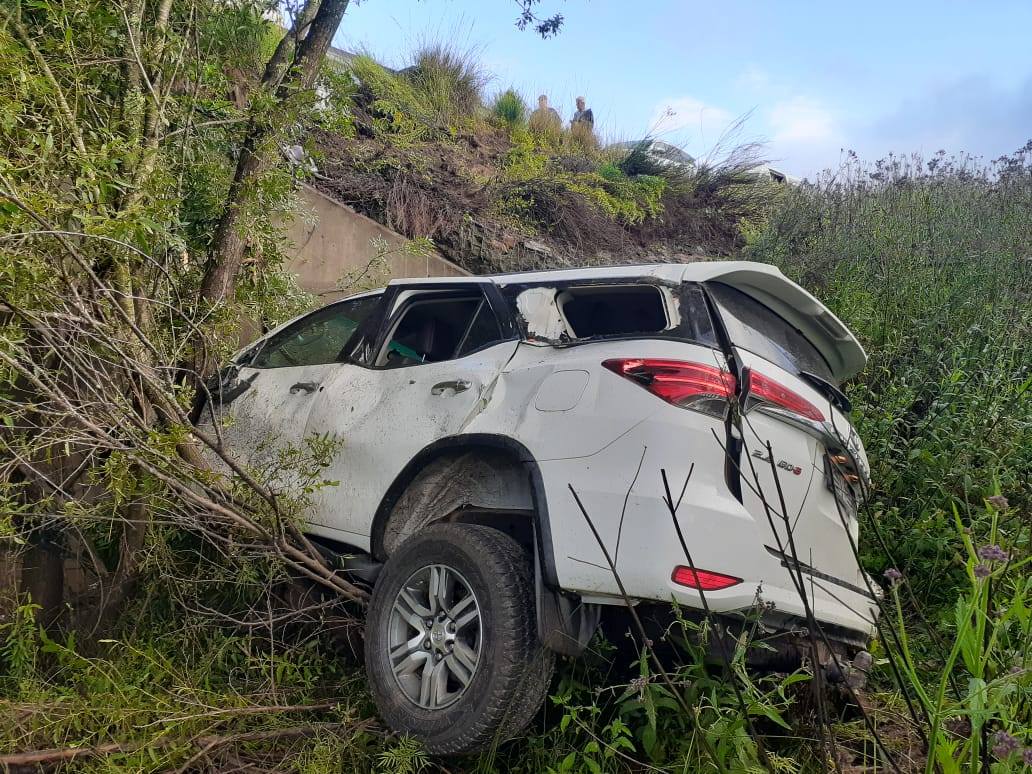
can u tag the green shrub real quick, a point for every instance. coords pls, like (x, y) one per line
(509, 109)
(390, 101)
(626, 200)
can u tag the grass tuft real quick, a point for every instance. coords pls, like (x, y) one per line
(510, 110)
(449, 83)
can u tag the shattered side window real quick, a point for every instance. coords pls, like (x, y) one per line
(573, 312)
(613, 310)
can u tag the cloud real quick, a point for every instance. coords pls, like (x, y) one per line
(968, 115)
(805, 133)
(802, 119)
(691, 119)
(754, 78)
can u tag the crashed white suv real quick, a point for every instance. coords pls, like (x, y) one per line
(490, 426)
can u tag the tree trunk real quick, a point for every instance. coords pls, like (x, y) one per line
(228, 249)
(42, 575)
(10, 575)
(227, 253)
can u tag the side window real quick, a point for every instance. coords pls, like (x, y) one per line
(754, 327)
(318, 338)
(613, 310)
(483, 330)
(440, 328)
(695, 316)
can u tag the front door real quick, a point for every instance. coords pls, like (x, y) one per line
(433, 369)
(267, 405)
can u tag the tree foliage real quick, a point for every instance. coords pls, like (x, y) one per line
(138, 177)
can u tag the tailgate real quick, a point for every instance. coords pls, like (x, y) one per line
(801, 461)
(819, 524)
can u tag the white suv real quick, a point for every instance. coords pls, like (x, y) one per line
(474, 413)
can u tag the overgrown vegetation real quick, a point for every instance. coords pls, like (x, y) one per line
(183, 648)
(427, 134)
(927, 260)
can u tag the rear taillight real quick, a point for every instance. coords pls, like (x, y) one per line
(766, 390)
(703, 579)
(687, 385)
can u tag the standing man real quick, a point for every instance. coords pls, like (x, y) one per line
(582, 126)
(583, 116)
(545, 120)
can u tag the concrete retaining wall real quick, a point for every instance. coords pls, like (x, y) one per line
(334, 241)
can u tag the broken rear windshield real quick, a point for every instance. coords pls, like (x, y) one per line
(754, 327)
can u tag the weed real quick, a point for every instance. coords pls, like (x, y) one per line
(386, 105)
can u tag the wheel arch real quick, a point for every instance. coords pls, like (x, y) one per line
(514, 451)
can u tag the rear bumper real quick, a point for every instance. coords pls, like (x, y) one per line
(782, 645)
(621, 489)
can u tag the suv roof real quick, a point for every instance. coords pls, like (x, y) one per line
(763, 282)
(670, 272)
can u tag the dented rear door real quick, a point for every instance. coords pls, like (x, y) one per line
(384, 413)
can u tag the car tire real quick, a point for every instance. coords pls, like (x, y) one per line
(456, 682)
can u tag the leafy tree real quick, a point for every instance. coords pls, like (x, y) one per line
(140, 173)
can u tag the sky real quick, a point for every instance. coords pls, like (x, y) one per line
(812, 79)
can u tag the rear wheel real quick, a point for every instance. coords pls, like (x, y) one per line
(452, 651)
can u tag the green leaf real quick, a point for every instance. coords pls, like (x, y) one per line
(648, 740)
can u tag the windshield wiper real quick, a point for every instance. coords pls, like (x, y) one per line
(828, 390)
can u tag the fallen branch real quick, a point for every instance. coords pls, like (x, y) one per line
(207, 744)
(212, 743)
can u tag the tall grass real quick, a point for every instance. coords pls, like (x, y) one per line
(929, 262)
(449, 82)
(442, 92)
(708, 204)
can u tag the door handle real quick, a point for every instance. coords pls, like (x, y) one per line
(308, 387)
(458, 385)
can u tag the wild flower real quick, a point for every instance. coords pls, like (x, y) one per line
(638, 685)
(983, 571)
(1004, 745)
(893, 576)
(1026, 756)
(999, 502)
(992, 554)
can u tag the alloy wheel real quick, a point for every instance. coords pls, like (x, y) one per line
(435, 636)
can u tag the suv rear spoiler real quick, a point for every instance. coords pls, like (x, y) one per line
(766, 284)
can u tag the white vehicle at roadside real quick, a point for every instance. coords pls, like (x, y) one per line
(474, 413)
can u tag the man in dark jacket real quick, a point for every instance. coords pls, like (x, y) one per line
(582, 126)
(582, 116)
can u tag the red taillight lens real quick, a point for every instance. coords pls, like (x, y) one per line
(695, 386)
(703, 579)
(765, 389)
